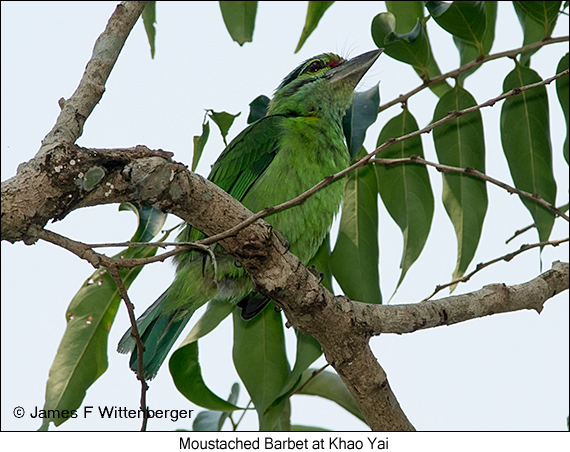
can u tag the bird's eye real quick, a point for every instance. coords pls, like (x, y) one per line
(315, 66)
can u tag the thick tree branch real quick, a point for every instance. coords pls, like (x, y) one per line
(492, 299)
(75, 111)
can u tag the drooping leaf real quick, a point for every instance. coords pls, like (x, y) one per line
(216, 311)
(213, 421)
(315, 11)
(405, 189)
(207, 421)
(261, 361)
(545, 12)
(354, 260)
(184, 363)
(199, 144)
(82, 353)
(412, 47)
(465, 19)
(563, 96)
(329, 386)
(407, 15)
(149, 19)
(239, 18)
(224, 121)
(525, 136)
(534, 30)
(258, 108)
(468, 51)
(308, 351)
(186, 373)
(461, 143)
(361, 115)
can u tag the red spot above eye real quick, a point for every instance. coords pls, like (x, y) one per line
(335, 63)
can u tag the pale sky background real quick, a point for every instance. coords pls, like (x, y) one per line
(506, 372)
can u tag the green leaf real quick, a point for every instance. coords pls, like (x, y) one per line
(461, 143)
(412, 47)
(212, 421)
(563, 96)
(464, 19)
(149, 19)
(216, 311)
(405, 189)
(150, 222)
(199, 144)
(329, 386)
(224, 121)
(207, 421)
(534, 30)
(354, 260)
(362, 114)
(184, 363)
(308, 351)
(315, 11)
(258, 108)
(544, 12)
(239, 18)
(469, 52)
(186, 373)
(525, 136)
(261, 361)
(407, 15)
(82, 353)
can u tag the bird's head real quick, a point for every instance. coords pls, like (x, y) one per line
(321, 86)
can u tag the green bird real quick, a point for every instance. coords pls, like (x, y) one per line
(296, 145)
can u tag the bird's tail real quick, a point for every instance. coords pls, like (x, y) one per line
(158, 331)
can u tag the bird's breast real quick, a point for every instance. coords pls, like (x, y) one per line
(309, 151)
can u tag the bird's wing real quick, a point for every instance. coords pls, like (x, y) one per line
(243, 161)
(247, 156)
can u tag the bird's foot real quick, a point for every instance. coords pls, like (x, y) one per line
(318, 274)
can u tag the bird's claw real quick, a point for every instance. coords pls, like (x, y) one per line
(318, 274)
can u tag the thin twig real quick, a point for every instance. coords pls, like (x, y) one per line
(313, 375)
(473, 172)
(518, 232)
(477, 62)
(236, 424)
(115, 274)
(506, 258)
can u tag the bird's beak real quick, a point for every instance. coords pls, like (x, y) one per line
(352, 71)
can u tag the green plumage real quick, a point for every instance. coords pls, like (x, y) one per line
(296, 145)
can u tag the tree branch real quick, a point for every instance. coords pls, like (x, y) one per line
(507, 257)
(75, 111)
(492, 299)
